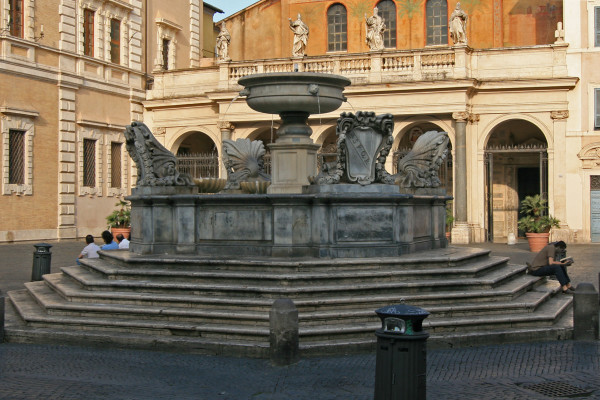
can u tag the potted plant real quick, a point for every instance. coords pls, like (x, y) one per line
(119, 221)
(449, 219)
(536, 222)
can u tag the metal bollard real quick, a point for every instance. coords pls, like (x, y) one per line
(283, 332)
(585, 312)
(42, 257)
(1, 317)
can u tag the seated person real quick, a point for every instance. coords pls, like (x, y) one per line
(544, 264)
(89, 251)
(110, 244)
(123, 243)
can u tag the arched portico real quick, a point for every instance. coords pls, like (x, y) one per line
(197, 154)
(516, 165)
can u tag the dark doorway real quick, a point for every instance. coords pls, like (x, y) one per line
(528, 184)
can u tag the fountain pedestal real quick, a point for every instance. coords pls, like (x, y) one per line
(294, 159)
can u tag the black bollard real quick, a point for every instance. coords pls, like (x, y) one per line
(1, 317)
(585, 312)
(42, 257)
(283, 332)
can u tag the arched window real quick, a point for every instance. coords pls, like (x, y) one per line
(387, 10)
(337, 28)
(437, 22)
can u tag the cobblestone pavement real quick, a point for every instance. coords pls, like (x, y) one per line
(489, 372)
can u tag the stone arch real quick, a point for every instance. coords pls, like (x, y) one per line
(401, 128)
(489, 128)
(202, 135)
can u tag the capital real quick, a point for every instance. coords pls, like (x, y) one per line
(225, 125)
(461, 116)
(160, 131)
(559, 114)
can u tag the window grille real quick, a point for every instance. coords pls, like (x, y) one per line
(16, 17)
(115, 165)
(437, 22)
(89, 162)
(16, 157)
(165, 53)
(337, 36)
(387, 11)
(597, 108)
(597, 26)
(88, 32)
(115, 41)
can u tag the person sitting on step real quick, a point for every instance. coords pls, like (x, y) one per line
(110, 244)
(546, 264)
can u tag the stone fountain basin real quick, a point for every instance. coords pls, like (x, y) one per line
(309, 92)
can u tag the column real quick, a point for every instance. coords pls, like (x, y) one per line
(226, 128)
(460, 232)
(557, 182)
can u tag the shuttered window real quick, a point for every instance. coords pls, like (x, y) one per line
(88, 32)
(16, 17)
(165, 53)
(115, 165)
(596, 108)
(437, 22)
(16, 157)
(115, 41)
(337, 28)
(89, 162)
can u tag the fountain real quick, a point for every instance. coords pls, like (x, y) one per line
(204, 270)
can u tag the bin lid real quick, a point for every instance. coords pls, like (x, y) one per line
(403, 311)
(42, 247)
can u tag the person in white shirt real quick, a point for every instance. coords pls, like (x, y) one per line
(123, 243)
(89, 251)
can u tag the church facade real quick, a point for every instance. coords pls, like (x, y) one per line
(519, 99)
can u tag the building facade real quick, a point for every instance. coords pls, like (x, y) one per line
(519, 99)
(73, 74)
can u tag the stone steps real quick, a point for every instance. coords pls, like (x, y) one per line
(220, 309)
(436, 258)
(92, 280)
(271, 278)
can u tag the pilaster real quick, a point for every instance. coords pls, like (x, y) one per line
(558, 206)
(196, 16)
(226, 128)
(66, 160)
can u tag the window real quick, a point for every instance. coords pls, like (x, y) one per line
(597, 109)
(597, 26)
(16, 157)
(387, 10)
(115, 164)
(437, 22)
(89, 162)
(337, 28)
(165, 54)
(16, 17)
(88, 32)
(115, 41)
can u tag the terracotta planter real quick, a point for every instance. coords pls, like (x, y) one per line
(448, 236)
(537, 241)
(123, 231)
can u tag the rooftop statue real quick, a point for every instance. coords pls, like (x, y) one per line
(419, 168)
(223, 40)
(243, 161)
(375, 29)
(300, 30)
(458, 25)
(156, 166)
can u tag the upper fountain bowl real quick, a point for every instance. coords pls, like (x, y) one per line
(282, 92)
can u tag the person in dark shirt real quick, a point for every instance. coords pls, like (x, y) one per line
(544, 264)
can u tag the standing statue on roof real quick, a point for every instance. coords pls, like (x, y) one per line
(458, 25)
(223, 40)
(375, 29)
(300, 30)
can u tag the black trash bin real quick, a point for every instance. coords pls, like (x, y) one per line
(42, 257)
(400, 366)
